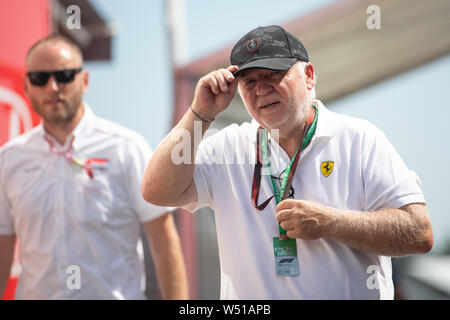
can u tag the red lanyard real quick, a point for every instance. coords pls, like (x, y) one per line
(309, 130)
(86, 165)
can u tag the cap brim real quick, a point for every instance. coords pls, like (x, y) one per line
(281, 64)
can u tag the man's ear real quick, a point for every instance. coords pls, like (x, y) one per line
(85, 81)
(310, 77)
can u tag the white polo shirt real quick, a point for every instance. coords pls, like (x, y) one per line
(69, 224)
(367, 175)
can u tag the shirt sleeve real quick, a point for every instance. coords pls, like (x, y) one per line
(388, 183)
(139, 155)
(6, 219)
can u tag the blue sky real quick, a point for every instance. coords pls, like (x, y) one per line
(135, 88)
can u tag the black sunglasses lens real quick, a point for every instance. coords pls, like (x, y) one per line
(64, 76)
(38, 78)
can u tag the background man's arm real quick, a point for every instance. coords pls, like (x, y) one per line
(6, 257)
(168, 257)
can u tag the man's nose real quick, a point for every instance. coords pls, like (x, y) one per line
(263, 88)
(52, 84)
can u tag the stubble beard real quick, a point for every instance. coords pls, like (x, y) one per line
(301, 116)
(62, 118)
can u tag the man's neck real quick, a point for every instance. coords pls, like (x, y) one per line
(61, 130)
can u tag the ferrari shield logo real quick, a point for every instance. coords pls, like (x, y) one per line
(253, 45)
(327, 167)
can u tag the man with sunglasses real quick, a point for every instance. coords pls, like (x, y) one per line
(70, 194)
(355, 202)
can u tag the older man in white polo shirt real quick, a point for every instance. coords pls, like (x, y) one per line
(70, 193)
(308, 204)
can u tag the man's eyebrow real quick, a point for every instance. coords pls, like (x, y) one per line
(243, 74)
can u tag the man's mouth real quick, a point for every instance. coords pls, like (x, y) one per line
(54, 101)
(269, 105)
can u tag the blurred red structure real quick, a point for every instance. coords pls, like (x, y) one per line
(22, 23)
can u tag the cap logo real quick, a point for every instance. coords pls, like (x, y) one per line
(253, 45)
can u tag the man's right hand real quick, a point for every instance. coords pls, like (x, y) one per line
(214, 92)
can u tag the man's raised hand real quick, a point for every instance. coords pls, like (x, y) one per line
(214, 92)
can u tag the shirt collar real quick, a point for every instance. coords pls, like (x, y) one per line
(326, 125)
(83, 127)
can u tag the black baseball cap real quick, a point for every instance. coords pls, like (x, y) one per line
(269, 47)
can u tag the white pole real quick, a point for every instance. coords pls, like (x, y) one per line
(177, 25)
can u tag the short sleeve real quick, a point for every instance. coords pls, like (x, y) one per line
(388, 183)
(6, 219)
(138, 156)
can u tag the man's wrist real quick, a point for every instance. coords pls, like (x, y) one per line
(205, 119)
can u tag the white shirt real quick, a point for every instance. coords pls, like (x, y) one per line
(367, 175)
(69, 224)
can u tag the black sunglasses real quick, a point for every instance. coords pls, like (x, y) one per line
(40, 78)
